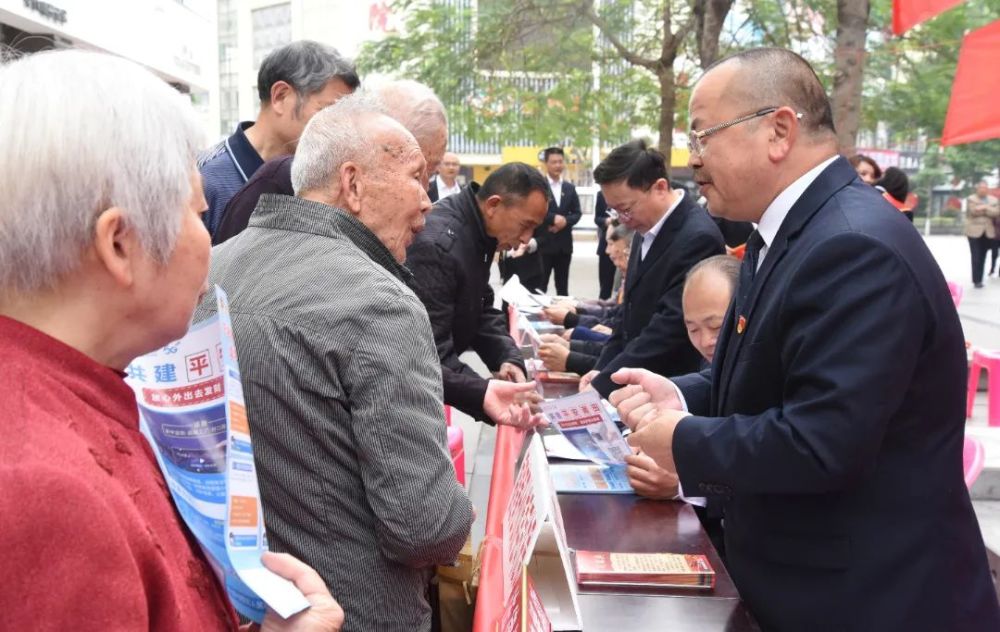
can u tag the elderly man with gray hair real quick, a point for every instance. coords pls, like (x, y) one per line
(293, 83)
(411, 103)
(341, 376)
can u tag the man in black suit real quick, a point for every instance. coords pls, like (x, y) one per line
(605, 267)
(674, 234)
(833, 418)
(556, 244)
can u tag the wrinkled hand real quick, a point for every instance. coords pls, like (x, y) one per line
(323, 615)
(654, 437)
(587, 379)
(554, 339)
(602, 329)
(645, 393)
(554, 355)
(510, 372)
(557, 313)
(510, 404)
(649, 479)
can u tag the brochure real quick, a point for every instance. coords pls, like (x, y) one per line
(586, 424)
(191, 410)
(589, 478)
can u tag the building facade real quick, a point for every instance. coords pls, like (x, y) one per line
(175, 39)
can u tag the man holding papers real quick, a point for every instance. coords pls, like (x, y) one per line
(451, 261)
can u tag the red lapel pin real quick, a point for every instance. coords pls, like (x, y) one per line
(741, 324)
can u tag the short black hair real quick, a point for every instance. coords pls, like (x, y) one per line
(638, 164)
(895, 183)
(552, 151)
(305, 65)
(514, 180)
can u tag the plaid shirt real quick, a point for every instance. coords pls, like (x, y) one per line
(343, 390)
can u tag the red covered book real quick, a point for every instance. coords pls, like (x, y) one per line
(668, 570)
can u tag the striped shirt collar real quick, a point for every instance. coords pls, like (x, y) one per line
(285, 212)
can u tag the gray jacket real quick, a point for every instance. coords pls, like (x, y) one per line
(343, 390)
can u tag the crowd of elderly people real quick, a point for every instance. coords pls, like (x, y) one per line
(105, 256)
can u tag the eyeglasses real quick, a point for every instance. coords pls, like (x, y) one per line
(695, 144)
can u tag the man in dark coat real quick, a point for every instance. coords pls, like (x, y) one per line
(556, 242)
(833, 418)
(674, 235)
(451, 260)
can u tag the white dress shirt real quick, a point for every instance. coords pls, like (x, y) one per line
(556, 186)
(650, 236)
(444, 190)
(775, 214)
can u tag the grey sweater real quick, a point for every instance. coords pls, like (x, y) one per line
(343, 390)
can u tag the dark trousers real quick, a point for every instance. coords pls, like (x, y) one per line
(559, 263)
(605, 276)
(978, 247)
(994, 251)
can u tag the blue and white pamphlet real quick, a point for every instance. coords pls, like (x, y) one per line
(192, 412)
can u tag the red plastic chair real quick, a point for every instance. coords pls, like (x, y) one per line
(956, 292)
(973, 459)
(989, 360)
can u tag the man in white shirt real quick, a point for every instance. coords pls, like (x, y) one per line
(555, 238)
(445, 183)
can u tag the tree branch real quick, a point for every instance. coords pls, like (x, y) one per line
(629, 56)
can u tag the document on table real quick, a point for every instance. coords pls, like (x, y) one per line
(590, 478)
(585, 424)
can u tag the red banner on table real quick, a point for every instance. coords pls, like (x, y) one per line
(908, 13)
(973, 114)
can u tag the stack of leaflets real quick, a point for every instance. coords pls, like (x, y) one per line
(588, 434)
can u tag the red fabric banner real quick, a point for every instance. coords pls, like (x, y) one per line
(908, 13)
(973, 114)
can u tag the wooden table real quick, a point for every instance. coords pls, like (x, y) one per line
(617, 523)
(609, 522)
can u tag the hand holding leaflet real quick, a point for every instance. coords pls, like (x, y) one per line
(192, 412)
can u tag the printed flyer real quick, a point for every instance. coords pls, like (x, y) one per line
(586, 424)
(192, 412)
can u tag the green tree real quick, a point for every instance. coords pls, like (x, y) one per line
(522, 70)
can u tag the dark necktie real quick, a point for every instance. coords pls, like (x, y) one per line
(751, 255)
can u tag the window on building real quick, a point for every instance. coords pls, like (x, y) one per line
(272, 28)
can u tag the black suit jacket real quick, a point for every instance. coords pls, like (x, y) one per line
(651, 334)
(569, 207)
(834, 423)
(600, 218)
(451, 261)
(432, 190)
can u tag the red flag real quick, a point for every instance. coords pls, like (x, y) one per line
(973, 114)
(909, 13)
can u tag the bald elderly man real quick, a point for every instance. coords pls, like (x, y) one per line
(342, 382)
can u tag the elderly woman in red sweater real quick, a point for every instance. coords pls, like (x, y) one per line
(103, 257)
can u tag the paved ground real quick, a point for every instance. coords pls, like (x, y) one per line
(980, 314)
